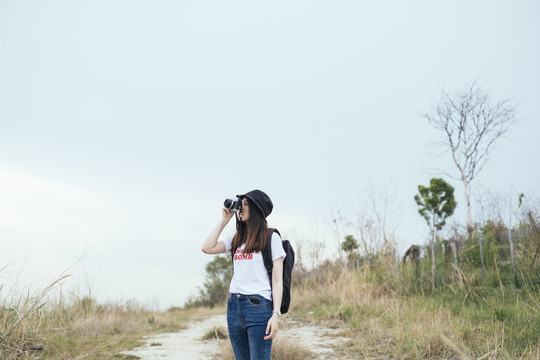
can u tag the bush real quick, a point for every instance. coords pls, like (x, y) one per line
(215, 289)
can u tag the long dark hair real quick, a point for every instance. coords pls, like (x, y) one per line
(253, 233)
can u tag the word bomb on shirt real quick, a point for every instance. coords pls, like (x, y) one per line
(239, 255)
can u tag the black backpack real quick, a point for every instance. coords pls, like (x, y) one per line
(288, 264)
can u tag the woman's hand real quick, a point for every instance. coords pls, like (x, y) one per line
(212, 245)
(227, 215)
(272, 327)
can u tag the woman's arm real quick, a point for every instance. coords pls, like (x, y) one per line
(277, 294)
(212, 245)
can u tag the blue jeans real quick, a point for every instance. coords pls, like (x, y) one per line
(247, 318)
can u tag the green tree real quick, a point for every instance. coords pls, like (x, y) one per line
(349, 245)
(436, 203)
(215, 289)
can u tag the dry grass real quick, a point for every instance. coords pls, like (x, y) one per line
(217, 333)
(384, 323)
(77, 328)
(282, 349)
(383, 320)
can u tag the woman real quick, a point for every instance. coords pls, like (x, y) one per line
(253, 308)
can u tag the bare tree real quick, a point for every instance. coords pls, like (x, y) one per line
(339, 227)
(471, 124)
(374, 224)
(383, 206)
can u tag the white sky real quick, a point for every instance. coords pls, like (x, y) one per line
(125, 124)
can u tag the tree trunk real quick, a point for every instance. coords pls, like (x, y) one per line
(417, 269)
(433, 231)
(454, 250)
(396, 255)
(482, 255)
(513, 257)
(470, 228)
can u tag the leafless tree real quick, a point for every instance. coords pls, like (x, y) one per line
(374, 224)
(530, 232)
(471, 123)
(377, 221)
(340, 226)
(382, 199)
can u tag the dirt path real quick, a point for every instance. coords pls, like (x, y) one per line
(325, 342)
(187, 344)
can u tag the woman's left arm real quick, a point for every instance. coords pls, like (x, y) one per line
(277, 294)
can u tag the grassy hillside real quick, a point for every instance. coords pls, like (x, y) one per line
(382, 310)
(389, 314)
(77, 328)
(480, 304)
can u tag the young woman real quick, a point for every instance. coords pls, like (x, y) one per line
(253, 308)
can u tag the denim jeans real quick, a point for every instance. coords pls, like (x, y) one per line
(247, 318)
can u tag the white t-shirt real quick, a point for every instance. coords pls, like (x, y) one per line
(250, 276)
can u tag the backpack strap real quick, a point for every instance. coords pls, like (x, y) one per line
(267, 254)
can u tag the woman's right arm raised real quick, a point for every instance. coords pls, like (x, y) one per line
(212, 245)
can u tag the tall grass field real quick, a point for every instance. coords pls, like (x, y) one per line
(482, 308)
(391, 314)
(45, 326)
(381, 310)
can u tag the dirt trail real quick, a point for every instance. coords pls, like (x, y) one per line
(324, 342)
(187, 344)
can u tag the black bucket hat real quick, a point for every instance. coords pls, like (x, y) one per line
(260, 199)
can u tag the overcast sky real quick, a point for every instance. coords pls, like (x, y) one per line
(125, 124)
